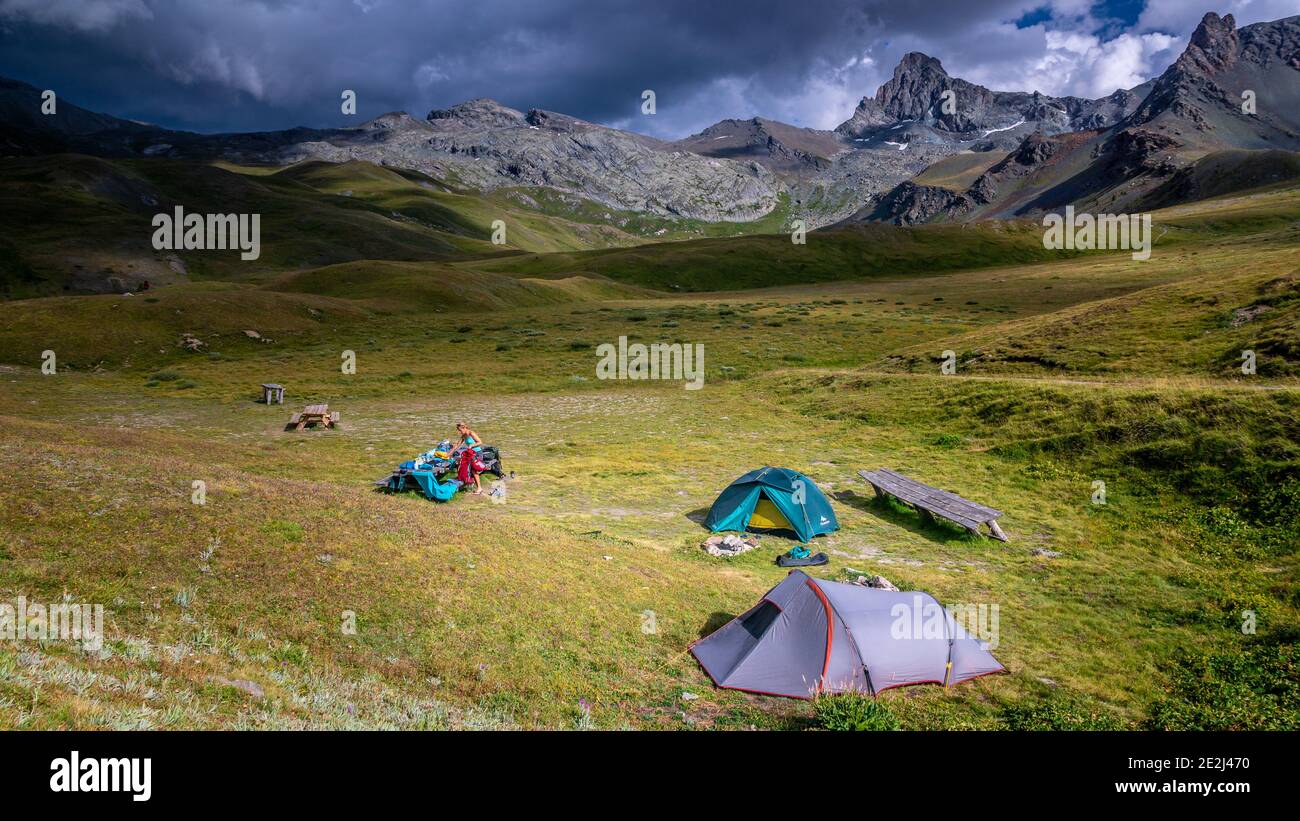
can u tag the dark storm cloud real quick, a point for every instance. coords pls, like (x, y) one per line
(241, 65)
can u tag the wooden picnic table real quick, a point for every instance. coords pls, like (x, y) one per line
(931, 500)
(313, 415)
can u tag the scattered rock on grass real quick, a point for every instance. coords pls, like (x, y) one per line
(251, 687)
(729, 545)
(876, 582)
(1045, 553)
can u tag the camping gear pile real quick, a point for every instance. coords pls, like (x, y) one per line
(807, 637)
(438, 474)
(801, 556)
(729, 545)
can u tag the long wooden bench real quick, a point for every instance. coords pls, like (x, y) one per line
(950, 506)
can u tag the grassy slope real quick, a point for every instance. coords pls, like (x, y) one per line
(1226, 172)
(958, 172)
(1208, 309)
(68, 223)
(757, 262)
(63, 211)
(473, 614)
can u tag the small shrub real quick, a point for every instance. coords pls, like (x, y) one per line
(1256, 687)
(1060, 710)
(945, 440)
(853, 712)
(165, 376)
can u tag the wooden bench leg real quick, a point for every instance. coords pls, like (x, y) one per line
(997, 531)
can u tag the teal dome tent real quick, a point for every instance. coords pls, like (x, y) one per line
(773, 499)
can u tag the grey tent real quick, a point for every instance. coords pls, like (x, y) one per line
(808, 636)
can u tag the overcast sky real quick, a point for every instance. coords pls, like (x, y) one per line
(241, 65)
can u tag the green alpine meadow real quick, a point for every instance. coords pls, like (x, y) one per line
(502, 418)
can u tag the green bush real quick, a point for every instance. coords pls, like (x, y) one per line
(1255, 687)
(853, 711)
(1060, 710)
(945, 440)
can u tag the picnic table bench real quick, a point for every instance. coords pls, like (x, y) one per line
(313, 415)
(950, 506)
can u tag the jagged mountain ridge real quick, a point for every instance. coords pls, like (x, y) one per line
(740, 170)
(1194, 109)
(914, 105)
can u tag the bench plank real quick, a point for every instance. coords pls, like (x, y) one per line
(935, 493)
(946, 504)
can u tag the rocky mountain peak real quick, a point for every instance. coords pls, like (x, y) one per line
(1213, 46)
(389, 121)
(918, 61)
(479, 112)
(918, 82)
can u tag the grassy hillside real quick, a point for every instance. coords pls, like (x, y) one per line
(418, 286)
(1196, 326)
(72, 224)
(958, 172)
(859, 252)
(1225, 172)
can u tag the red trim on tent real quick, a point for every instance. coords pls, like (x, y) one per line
(830, 630)
(808, 697)
(982, 675)
(909, 684)
(720, 686)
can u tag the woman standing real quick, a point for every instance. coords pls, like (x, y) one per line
(468, 439)
(469, 448)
